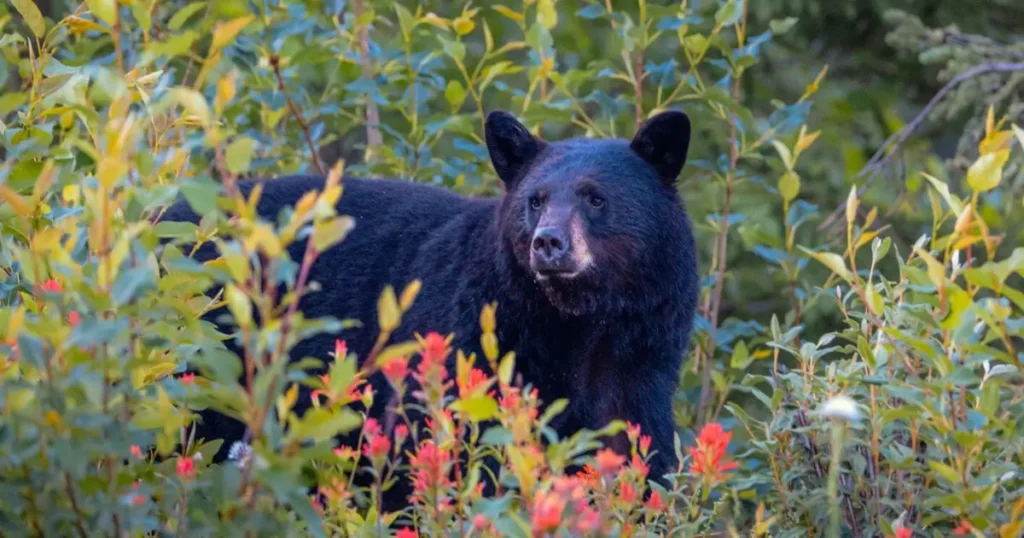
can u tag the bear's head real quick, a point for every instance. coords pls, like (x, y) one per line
(595, 223)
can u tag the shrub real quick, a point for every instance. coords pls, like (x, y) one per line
(900, 416)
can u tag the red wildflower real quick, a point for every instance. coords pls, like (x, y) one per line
(340, 350)
(709, 458)
(51, 286)
(377, 446)
(371, 428)
(396, 369)
(74, 319)
(546, 514)
(608, 461)
(407, 533)
(188, 378)
(963, 529)
(431, 469)
(136, 451)
(589, 521)
(480, 522)
(510, 400)
(435, 349)
(632, 431)
(589, 476)
(477, 378)
(401, 432)
(627, 492)
(344, 452)
(645, 444)
(903, 532)
(315, 503)
(137, 499)
(336, 491)
(186, 468)
(654, 503)
(639, 465)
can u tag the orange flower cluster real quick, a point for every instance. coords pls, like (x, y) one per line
(709, 456)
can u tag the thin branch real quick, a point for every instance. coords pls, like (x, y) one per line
(373, 136)
(897, 139)
(275, 62)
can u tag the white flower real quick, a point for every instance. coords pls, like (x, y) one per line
(240, 453)
(841, 406)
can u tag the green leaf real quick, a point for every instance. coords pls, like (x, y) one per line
(183, 14)
(239, 154)
(105, 10)
(455, 93)
(987, 172)
(33, 17)
(729, 13)
(945, 471)
(320, 423)
(943, 189)
(455, 49)
(131, 283)
(781, 26)
(741, 357)
(789, 185)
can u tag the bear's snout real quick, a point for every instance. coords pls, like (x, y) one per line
(550, 250)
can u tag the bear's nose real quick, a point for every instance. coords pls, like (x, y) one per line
(550, 243)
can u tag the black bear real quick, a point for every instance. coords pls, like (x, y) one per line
(589, 255)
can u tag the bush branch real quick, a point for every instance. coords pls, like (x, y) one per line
(897, 139)
(373, 136)
(275, 62)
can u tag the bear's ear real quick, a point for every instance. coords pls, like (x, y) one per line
(663, 142)
(511, 146)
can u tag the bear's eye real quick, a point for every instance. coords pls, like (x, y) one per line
(596, 201)
(534, 202)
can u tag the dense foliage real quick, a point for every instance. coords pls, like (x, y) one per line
(856, 369)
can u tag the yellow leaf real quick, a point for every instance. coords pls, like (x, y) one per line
(70, 193)
(488, 317)
(78, 25)
(987, 172)
(402, 349)
(16, 201)
(506, 367)
(193, 102)
(14, 323)
(388, 313)
(239, 305)
(32, 16)
(463, 25)
(409, 295)
(508, 13)
(105, 10)
(226, 32)
(831, 260)
(806, 141)
(547, 14)
(851, 205)
(936, 271)
(433, 20)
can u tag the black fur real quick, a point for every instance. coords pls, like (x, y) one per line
(610, 340)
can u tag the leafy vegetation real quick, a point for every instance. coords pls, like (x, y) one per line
(855, 375)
